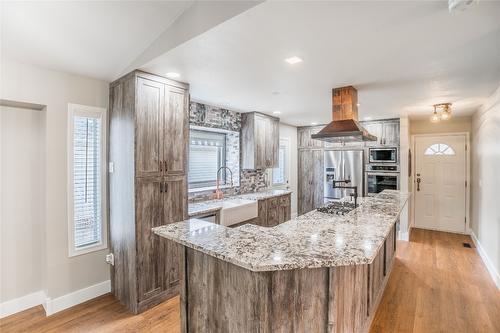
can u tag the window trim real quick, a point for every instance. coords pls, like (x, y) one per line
(95, 112)
(284, 142)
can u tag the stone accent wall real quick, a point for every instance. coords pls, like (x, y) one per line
(213, 117)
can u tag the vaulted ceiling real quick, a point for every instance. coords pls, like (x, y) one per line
(401, 56)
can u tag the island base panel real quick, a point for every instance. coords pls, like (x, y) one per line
(217, 296)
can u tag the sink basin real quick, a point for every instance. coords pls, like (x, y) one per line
(238, 210)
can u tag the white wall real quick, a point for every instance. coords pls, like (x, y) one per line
(405, 181)
(22, 204)
(26, 83)
(485, 223)
(455, 124)
(290, 133)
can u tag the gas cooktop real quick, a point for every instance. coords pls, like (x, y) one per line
(337, 208)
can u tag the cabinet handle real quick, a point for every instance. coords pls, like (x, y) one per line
(165, 166)
(161, 187)
(164, 187)
(161, 165)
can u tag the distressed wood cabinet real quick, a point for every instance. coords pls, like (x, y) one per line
(304, 137)
(386, 131)
(310, 180)
(273, 211)
(259, 141)
(148, 137)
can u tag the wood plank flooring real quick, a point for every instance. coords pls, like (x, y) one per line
(436, 285)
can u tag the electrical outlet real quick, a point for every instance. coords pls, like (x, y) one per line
(110, 259)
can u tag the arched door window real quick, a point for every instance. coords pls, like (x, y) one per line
(439, 149)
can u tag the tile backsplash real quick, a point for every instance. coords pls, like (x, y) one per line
(218, 118)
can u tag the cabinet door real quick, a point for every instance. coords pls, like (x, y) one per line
(174, 210)
(150, 104)
(374, 128)
(150, 248)
(318, 171)
(305, 182)
(272, 143)
(175, 131)
(285, 208)
(260, 156)
(273, 208)
(390, 136)
(304, 137)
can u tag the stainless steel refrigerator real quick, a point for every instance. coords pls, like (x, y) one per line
(342, 165)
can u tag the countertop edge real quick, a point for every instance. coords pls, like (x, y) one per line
(288, 266)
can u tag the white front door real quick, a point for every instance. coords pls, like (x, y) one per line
(440, 182)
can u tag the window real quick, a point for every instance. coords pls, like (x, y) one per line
(207, 153)
(86, 186)
(439, 149)
(280, 174)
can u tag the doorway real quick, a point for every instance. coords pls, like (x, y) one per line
(440, 182)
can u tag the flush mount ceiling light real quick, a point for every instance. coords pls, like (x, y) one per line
(314, 123)
(173, 75)
(293, 60)
(276, 112)
(445, 112)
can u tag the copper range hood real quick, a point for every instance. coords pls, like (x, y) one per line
(345, 126)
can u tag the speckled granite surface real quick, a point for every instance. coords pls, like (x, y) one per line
(203, 207)
(311, 240)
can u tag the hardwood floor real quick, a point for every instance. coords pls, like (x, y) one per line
(103, 314)
(436, 285)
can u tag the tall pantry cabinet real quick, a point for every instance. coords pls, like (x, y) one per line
(148, 138)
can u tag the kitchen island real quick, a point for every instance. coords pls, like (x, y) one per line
(316, 273)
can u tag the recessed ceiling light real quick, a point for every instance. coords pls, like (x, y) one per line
(314, 123)
(293, 60)
(358, 105)
(173, 75)
(367, 118)
(276, 112)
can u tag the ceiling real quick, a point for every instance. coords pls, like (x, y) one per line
(401, 56)
(92, 38)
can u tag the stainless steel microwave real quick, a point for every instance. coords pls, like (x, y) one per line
(383, 155)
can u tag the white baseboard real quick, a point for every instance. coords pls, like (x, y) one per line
(60, 303)
(486, 259)
(22, 303)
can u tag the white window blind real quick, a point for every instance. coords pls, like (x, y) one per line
(87, 179)
(279, 175)
(207, 153)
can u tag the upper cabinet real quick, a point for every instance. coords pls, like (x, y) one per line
(386, 131)
(259, 141)
(161, 119)
(304, 137)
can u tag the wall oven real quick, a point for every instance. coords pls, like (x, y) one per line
(381, 177)
(383, 155)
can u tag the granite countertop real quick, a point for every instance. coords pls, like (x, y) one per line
(309, 241)
(205, 207)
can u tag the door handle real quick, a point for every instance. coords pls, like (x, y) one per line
(418, 184)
